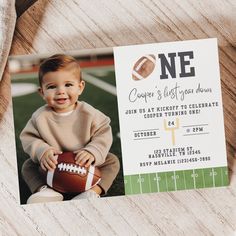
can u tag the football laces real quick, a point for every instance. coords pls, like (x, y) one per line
(72, 168)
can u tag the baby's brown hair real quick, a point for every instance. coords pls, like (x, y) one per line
(58, 62)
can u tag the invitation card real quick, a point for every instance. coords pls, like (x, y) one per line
(171, 116)
(123, 120)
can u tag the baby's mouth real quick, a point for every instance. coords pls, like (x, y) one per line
(61, 100)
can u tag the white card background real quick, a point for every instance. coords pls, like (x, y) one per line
(207, 146)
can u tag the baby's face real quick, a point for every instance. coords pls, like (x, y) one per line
(61, 89)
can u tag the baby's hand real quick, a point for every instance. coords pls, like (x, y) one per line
(84, 158)
(49, 159)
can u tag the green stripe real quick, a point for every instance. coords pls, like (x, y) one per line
(180, 180)
(176, 180)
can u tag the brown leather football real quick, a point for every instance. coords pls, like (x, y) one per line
(69, 177)
(143, 67)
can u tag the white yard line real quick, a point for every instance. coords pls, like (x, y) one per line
(100, 84)
(21, 89)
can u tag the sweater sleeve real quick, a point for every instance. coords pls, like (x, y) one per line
(32, 142)
(101, 138)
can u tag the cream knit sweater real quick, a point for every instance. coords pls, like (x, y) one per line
(85, 128)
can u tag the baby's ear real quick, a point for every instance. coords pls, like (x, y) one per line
(81, 86)
(40, 91)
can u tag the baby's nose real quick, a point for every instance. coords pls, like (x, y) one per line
(60, 90)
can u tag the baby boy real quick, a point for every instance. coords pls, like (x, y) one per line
(65, 124)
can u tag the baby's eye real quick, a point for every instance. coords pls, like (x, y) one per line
(68, 84)
(51, 87)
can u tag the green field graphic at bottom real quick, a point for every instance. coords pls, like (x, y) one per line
(176, 180)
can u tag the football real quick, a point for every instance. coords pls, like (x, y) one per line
(69, 177)
(144, 67)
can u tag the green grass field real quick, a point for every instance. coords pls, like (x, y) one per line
(25, 105)
(176, 180)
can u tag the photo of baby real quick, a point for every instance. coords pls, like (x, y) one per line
(65, 123)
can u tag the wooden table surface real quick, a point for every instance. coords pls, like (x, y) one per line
(54, 26)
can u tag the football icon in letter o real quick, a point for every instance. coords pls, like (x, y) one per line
(144, 67)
